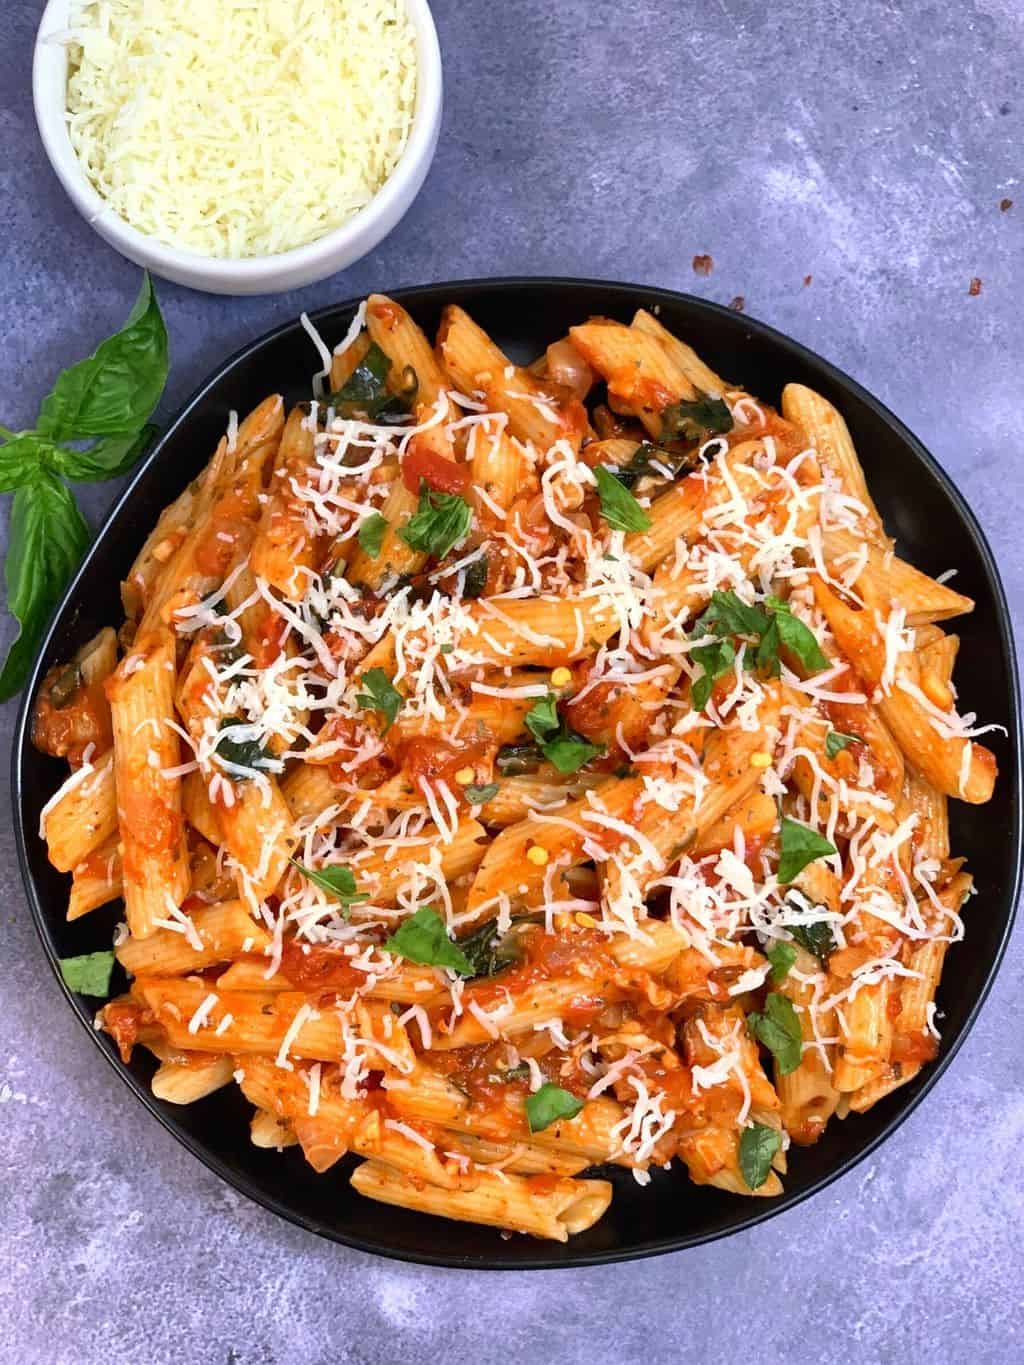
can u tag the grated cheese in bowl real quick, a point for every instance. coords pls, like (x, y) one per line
(239, 128)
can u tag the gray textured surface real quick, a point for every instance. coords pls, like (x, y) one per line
(867, 145)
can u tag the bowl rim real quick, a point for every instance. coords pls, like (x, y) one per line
(49, 70)
(762, 1210)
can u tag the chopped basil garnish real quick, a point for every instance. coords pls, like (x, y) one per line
(781, 955)
(549, 1104)
(475, 580)
(619, 508)
(337, 882)
(758, 1146)
(441, 521)
(89, 974)
(765, 629)
(561, 746)
(816, 938)
(836, 742)
(380, 695)
(365, 392)
(423, 938)
(695, 421)
(242, 751)
(479, 796)
(778, 1028)
(371, 534)
(489, 949)
(799, 845)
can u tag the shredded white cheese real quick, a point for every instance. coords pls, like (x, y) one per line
(237, 129)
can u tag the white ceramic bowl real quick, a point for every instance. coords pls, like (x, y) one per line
(255, 274)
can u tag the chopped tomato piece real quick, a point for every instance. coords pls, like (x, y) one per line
(443, 476)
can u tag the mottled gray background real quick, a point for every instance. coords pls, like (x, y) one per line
(864, 144)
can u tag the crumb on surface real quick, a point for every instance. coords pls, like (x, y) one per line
(975, 288)
(738, 304)
(703, 265)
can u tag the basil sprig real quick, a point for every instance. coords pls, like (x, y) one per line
(91, 427)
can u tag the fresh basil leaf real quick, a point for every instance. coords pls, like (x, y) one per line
(381, 696)
(489, 950)
(619, 508)
(371, 534)
(716, 660)
(816, 938)
(337, 882)
(694, 421)
(728, 614)
(107, 458)
(515, 759)
(66, 686)
(766, 629)
(758, 1146)
(568, 751)
(475, 578)
(561, 746)
(799, 845)
(89, 974)
(479, 796)
(836, 742)
(441, 521)
(793, 635)
(21, 458)
(781, 955)
(114, 391)
(778, 1028)
(243, 751)
(365, 392)
(423, 938)
(549, 1104)
(47, 538)
(542, 718)
(653, 461)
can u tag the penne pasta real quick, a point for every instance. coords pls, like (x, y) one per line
(512, 770)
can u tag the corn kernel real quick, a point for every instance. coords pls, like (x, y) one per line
(761, 760)
(585, 921)
(537, 855)
(464, 776)
(561, 677)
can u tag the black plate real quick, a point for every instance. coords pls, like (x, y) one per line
(934, 528)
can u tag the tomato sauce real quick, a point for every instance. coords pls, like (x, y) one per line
(121, 1019)
(313, 968)
(443, 476)
(67, 732)
(424, 759)
(228, 524)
